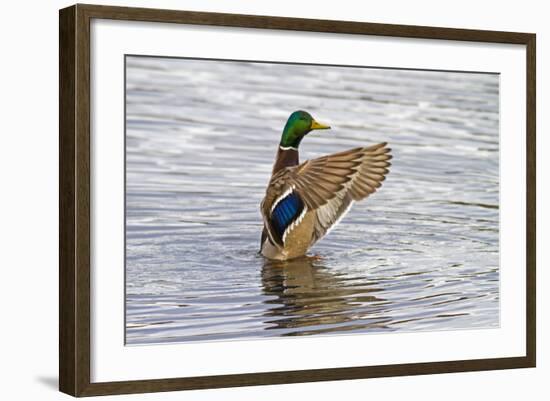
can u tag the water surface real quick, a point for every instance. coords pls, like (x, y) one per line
(420, 254)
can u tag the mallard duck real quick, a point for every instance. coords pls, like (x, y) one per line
(304, 201)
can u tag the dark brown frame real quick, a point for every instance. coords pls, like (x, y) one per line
(74, 199)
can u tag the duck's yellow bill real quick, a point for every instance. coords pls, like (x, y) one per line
(316, 125)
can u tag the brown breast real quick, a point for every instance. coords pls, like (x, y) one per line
(285, 158)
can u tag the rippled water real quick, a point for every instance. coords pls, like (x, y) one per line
(420, 254)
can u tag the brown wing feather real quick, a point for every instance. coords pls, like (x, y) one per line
(359, 171)
(330, 183)
(366, 169)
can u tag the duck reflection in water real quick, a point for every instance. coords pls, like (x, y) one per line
(307, 294)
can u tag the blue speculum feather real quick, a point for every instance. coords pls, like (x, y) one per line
(286, 211)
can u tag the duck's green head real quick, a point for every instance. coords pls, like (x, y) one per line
(299, 124)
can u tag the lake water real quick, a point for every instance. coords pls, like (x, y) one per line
(420, 254)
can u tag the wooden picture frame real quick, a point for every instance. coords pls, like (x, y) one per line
(74, 200)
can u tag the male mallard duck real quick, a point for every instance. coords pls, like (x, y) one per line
(304, 201)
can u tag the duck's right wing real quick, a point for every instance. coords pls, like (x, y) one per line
(327, 185)
(359, 171)
(364, 170)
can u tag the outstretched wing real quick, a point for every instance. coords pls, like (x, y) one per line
(365, 169)
(330, 214)
(359, 171)
(327, 185)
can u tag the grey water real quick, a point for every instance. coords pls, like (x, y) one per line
(421, 254)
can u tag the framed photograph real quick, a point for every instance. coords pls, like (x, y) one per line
(250, 200)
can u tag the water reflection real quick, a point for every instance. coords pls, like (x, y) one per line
(308, 294)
